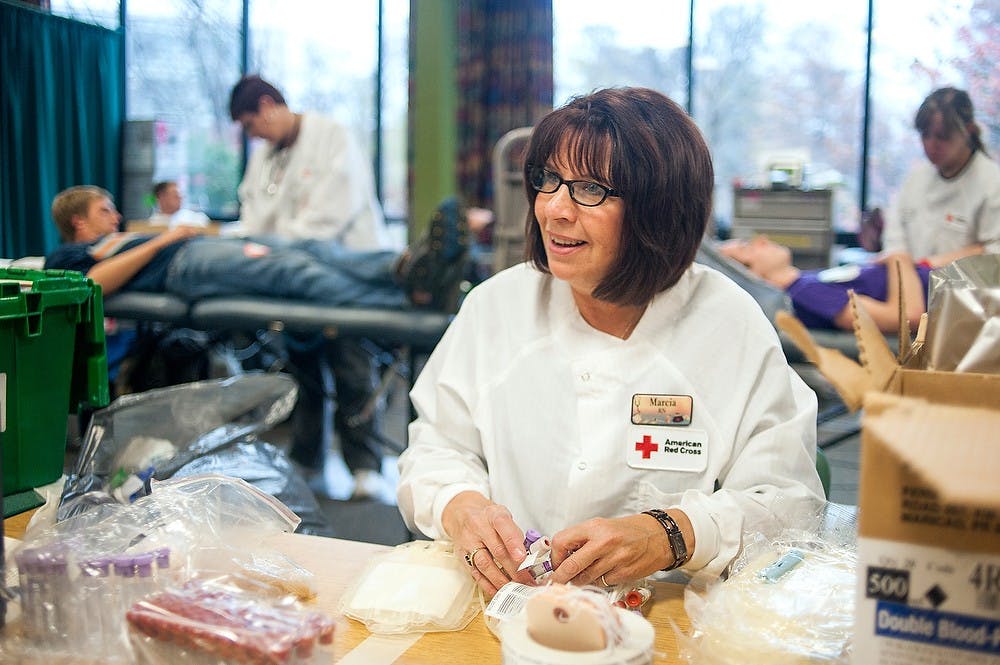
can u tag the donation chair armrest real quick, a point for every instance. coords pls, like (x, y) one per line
(142, 306)
(414, 327)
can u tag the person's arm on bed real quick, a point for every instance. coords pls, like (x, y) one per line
(902, 278)
(115, 272)
(941, 260)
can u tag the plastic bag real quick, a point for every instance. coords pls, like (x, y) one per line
(963, 316)
(270, 470)
(787, 600)
(219, 623)
(78, 577)
(417, 587)
(153, 434)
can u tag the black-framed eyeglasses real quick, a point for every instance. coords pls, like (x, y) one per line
(584, 192)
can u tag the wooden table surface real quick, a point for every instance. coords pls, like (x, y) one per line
(337, 563)
(14, 526)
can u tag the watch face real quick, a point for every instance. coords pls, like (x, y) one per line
(674, 537)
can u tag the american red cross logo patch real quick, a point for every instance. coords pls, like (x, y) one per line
(667, 449)
(646, 446)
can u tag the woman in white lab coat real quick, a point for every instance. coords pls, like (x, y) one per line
(948, 206)
(609, 393)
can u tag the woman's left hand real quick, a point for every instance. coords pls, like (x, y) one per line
(606, 552)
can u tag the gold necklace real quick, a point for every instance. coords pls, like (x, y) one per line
(635, 322)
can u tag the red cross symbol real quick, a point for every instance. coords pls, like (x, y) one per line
(646, 446)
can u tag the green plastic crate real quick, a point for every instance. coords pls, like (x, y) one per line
(53, 361)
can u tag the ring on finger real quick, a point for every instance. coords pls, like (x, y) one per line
(604, 582)
(498, 564)
(470, 557)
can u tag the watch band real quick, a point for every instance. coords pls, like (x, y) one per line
(674, 536)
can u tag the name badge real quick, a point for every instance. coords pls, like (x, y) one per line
(674, 410)
(667, 449)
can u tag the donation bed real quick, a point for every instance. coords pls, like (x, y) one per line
(418, 330)
(415, 332)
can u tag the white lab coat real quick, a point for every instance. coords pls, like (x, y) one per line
(323, 189)
(934, 215)
(526, 403)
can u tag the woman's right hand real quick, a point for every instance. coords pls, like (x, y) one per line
(485, 534)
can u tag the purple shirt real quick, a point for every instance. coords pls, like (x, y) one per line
(817, 300)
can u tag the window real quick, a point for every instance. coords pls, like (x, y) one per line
(395, 98)
(98, 12)
(765, 94)
(786, 80)
(921, 45)
(761, 90)
(323, 57)
(639, 43)
(182, 59)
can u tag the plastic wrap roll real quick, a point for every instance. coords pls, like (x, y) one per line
(518, 648)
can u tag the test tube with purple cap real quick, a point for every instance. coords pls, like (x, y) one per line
(95, 590)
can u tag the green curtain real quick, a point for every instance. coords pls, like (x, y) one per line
(60, 118)
(504, 82)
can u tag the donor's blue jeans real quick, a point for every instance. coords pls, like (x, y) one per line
(315, 271)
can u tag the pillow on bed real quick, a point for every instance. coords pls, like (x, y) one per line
(28, 262)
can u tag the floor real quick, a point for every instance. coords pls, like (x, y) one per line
(843, 455)
(375, 520)
(379, 521)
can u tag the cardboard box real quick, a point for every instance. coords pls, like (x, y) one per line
(929, 502)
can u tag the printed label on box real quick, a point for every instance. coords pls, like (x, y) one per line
(919, 604)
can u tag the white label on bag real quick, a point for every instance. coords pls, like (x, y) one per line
(509, 600)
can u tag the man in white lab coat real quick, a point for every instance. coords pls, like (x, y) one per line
(311, 179)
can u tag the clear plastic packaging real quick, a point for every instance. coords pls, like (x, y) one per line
(79, 577)
(559, 624)
(787, 601)
(213, 622)
(632, 596)
(265, 572)
(156, 433)
(963, 329)
(417, 587)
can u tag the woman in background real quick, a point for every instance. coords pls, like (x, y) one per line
(949, 206)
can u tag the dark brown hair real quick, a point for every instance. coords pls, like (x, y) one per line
(246, 94)
(955, 107)
(161, 187)
(644, 145)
